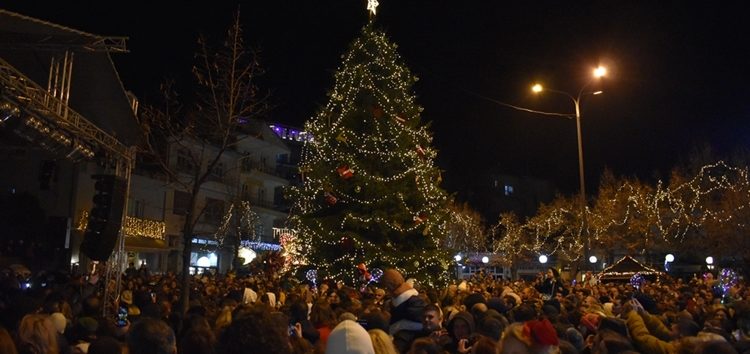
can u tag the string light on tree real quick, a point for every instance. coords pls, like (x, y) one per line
(371, 193)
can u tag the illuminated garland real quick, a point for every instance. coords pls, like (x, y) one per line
(132, 227)
(370, 193)
(633, 216)
(245, 226)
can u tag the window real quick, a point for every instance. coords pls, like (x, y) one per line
(218, 171)
(180, 203)
(184, 161)
(136, 208)
(508, 190)
(214, 211)
(261, 196)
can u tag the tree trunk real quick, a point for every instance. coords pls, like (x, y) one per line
(187, 248)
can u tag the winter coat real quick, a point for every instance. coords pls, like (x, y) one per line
(643, 339)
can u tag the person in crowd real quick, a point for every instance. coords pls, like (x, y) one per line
(425, 346)
(484, 345)
(298, 314)
(254, 330)
(323, 318)
(37, 335)
(6, 342)
(105, 345)
(551, 284)
(382, 342)
(349, 338)
(153, 336)
(460, 328)
(198, 340)
(406, 309)
(130, 271)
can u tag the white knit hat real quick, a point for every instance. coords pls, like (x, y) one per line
(349, 338)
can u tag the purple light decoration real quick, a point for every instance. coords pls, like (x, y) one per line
(375, 275)
(312, 275)
(637, 280)
(727, 279)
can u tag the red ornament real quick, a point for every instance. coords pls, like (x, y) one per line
(330, 198)
(345, 172)
(422, 217)
(377, 112)
(400, 120)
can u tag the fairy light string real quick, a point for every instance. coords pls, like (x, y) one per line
(634, 216)
(388, 210)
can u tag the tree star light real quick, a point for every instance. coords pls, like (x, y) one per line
(372, 6)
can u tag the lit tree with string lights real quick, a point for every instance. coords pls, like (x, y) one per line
(371, 192)
(622, 217)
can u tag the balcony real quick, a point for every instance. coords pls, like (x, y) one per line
(256, 166)
(278, 205)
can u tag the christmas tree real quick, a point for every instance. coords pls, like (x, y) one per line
(370, 197)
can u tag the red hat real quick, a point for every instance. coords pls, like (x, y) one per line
(541, 332)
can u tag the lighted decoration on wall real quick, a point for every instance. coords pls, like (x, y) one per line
(247, 254)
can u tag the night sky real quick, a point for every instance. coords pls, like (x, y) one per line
(677, 81)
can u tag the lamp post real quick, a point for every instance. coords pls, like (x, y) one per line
(538, 88)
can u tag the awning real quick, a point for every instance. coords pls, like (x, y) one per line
(145, 244)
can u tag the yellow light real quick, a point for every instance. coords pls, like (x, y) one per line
(597, 92)
(600, 71)
(537, 88)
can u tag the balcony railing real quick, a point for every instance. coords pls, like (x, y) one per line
(275, 170)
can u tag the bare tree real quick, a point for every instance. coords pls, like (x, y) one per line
(187, 140)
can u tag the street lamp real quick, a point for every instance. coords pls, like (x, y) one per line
(542, 259)
(597, 73)
(593, 259)
(710, 262)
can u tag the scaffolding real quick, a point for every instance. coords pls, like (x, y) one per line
(47, 111)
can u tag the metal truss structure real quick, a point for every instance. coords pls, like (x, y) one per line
(47, 111)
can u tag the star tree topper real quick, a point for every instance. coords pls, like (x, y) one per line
(372, 6)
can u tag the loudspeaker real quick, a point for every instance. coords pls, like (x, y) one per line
(105, 218)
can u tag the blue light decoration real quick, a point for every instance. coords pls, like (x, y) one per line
(637, 281)
(312, 276)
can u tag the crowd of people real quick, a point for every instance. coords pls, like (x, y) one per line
(264, 313)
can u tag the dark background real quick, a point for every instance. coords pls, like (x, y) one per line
(677, 81)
